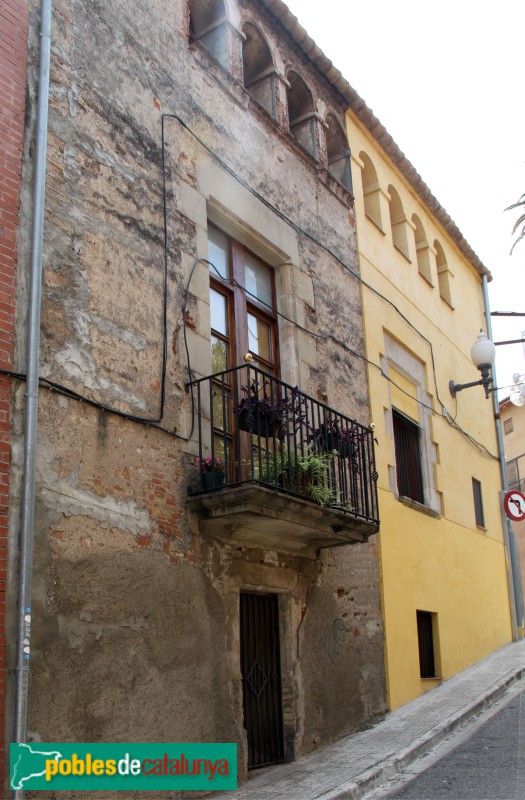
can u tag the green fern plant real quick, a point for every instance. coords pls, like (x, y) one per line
(310, 472)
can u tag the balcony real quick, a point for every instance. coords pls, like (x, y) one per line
(277, 468)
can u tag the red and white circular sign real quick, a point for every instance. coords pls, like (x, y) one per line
(514, 503)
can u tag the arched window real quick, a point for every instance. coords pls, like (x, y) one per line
(207, 18)
(338, 152)
(443, 273)
(398, 222)
(258, 68)
(301, 112)
(371, 191)
(422, 249)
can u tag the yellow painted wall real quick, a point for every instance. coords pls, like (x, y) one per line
(432, 559)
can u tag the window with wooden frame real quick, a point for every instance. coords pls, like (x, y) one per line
(243, 320)
(242, 303)
(408, 457)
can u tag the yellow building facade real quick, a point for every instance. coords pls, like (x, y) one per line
(443, 566)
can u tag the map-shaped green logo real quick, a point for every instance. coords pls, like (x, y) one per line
(29, 764)
(123, 766)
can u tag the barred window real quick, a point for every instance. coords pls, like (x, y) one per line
(513, 474)
(508, 426)
(408, 457)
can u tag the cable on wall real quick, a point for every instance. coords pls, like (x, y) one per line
(326, 337)
(333, 255)
(154, 421)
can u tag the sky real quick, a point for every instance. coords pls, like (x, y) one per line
(447, 80)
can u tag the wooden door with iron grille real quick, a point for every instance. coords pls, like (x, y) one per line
(261, 678)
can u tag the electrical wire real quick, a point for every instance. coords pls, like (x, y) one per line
(153, 421)
(70, 393)
(339, 260)
(133, 417)
(298, 229)
(326, 337)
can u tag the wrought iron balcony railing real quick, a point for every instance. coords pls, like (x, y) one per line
(252, 427)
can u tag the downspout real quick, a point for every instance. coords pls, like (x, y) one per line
(511, 551)
(31, 406)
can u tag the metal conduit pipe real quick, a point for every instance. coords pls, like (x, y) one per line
(31, 406)
(512, 556)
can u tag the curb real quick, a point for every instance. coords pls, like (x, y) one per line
(380, 773)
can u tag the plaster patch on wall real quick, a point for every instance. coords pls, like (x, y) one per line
(72, 166)
(78, 364)
(63, 498)
(372, 628)
(78, 631)
(136, 340)
(108, 161)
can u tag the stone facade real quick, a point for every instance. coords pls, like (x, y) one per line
(153, 136)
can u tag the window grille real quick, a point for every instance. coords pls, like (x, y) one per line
(508, 426)
(513, 474)
(408, 457)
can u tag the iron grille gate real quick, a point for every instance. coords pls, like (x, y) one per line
(261, 675)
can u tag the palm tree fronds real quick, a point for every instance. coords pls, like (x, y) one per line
(520, 222)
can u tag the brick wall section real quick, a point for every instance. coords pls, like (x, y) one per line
(13, 53)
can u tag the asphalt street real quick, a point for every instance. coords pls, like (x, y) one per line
(488, 763)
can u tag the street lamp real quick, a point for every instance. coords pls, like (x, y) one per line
(517, 395)
(483, 354)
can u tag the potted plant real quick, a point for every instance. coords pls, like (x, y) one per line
(211, 470)
(330, 437)
(259, 415)
(267, 415)
(307, 474)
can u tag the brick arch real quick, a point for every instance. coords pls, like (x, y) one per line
(256, 54)
(338, 151)
(300, 97)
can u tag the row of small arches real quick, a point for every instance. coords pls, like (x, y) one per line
(209, 25)
(401, 229)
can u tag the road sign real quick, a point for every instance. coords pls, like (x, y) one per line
(514, 503)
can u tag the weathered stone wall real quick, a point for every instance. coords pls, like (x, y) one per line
(136, 631)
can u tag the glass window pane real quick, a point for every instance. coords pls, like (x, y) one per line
(219, 355)
(221, 409)
(218, 305)
(222, 450)
(258, 279)
(218, 254)
(259, 338)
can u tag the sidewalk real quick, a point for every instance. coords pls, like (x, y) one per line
(357, 764)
